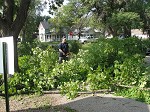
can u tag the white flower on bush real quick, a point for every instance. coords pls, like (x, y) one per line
(82, 52)
(36, 50)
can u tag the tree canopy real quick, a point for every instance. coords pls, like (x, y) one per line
(70, 17)
(13, 14)
(114, 16)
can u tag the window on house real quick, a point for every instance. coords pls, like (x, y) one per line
(42, 37)
(47, 36)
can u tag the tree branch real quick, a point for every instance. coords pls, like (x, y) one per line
(9, 11)
(126, 86)
(21, 16)
(1, 20)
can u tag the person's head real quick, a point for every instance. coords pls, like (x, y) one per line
(63, 39)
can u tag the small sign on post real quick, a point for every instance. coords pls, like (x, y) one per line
(1, 57)
(10, 54)
(6, 63)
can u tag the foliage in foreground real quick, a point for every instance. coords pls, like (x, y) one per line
(1, 81)
(34, 74)
(101, 65)
(135, 93)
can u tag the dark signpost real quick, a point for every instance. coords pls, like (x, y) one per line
(5, 67)
(6, 63)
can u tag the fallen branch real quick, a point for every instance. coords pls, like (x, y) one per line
(147, 89)
(80, 92)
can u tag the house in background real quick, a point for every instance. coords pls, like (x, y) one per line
(134, 32)
(46, 34)
(139, 33)
(90, 33)
(87, 33)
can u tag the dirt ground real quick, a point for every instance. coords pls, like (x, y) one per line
(84, 103)
(36, 103)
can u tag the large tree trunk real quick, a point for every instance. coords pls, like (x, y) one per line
(79, 34)
(112, 31)
(127, 31)
(10, 27)
(148, 33)
(23, 32)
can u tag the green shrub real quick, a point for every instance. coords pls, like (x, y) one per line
(26, 83)
(48, 59)
(70, 89)
(135, 93)
(73, 70)
(25, 48)
(132, 46)
(99, 65)
(100, 78)
(1, 80)
(35, 72)
(101, 54)
(130, 72)
(146, 44)
(43, 45)
(74, 46)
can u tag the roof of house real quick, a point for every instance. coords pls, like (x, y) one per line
(45, 24)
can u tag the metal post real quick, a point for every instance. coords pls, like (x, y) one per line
(5, 75)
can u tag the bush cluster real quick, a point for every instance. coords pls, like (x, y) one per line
(102, 65)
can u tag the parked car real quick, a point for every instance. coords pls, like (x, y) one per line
(148, 51)
(121, 36)
(83, 40)
(87, 39)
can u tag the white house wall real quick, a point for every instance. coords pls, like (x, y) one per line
(86, 34)
(41, 33)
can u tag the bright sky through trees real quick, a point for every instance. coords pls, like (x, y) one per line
(45, 12)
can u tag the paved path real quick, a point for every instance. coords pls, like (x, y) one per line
(107, 103)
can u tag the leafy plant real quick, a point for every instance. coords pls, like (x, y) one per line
(70, 89)
(73, 70)
(100, 65)
(101, 54)
(100, 78)
(34, 73)
(74, 46)
(1, 80)
(25, 48)
(130, 71)
(136, 93)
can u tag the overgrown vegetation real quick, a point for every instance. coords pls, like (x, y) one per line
(1, 81)
(135, 93)
(102, 65)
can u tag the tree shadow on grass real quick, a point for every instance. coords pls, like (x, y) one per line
(106, 103)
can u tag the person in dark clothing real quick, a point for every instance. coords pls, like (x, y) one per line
(63, 50)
